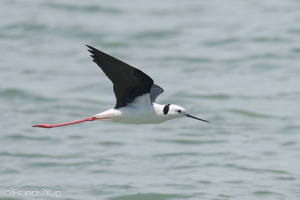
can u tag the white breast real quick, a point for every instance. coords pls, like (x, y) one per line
(140, 111)
(139, 115)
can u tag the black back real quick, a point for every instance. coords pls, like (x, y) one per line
(128, 82)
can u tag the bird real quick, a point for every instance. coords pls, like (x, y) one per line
(135, 94)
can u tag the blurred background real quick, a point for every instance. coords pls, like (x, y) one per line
(234, 63)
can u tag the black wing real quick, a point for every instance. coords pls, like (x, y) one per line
(128, 81)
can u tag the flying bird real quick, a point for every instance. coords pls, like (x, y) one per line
(135, 94)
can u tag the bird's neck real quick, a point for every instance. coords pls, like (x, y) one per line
(158, 108)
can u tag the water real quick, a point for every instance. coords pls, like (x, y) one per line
(235, 63)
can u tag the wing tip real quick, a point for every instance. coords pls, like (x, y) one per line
(92, 51)
(90, 48)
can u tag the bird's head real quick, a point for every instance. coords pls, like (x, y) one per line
(174, 111)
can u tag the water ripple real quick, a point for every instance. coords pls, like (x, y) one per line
(148, 196)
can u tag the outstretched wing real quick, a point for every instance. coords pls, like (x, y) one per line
(128, 82)
(155, 91)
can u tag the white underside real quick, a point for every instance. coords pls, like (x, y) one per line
(141, 111)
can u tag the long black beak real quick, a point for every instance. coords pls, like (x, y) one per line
(195, 118)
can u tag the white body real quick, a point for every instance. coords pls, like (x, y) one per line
(141, 111)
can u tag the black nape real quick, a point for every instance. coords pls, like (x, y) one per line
(166, 109)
